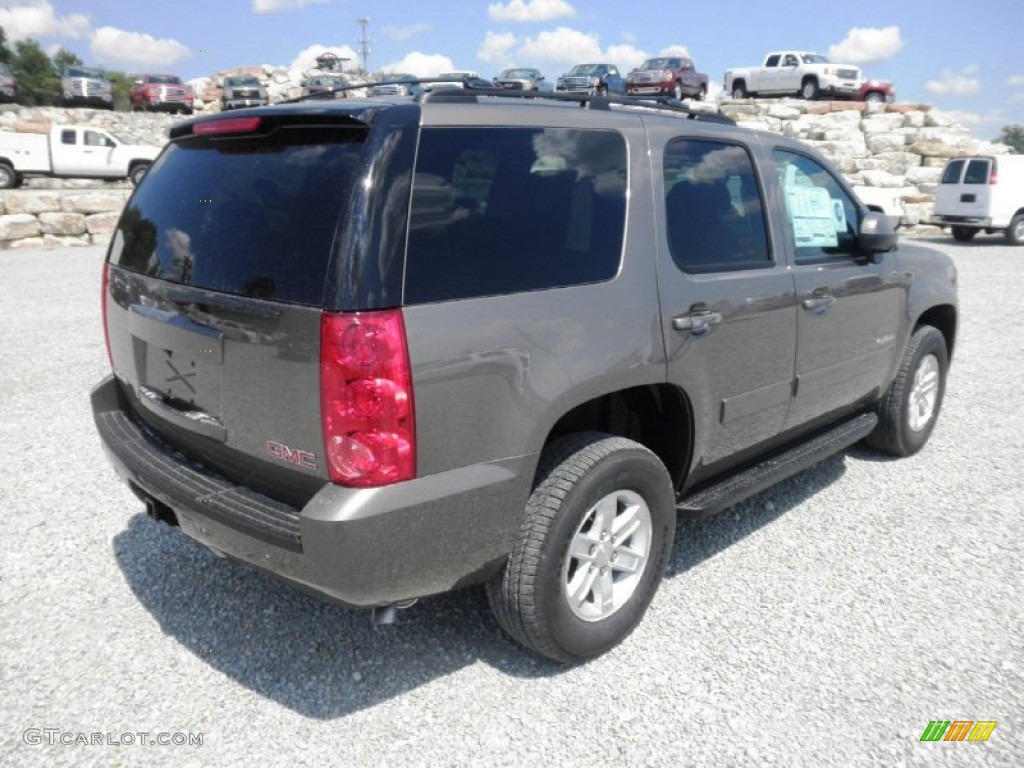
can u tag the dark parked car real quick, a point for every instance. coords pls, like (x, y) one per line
(599, 79)
(325, 84)
(411, 346)
(674, 76)
(8, 83)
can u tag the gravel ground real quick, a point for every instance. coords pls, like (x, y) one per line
(823, 623)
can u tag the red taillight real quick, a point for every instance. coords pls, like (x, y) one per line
(103, 309)
(230, 125)
(993, 177)
(366, 398)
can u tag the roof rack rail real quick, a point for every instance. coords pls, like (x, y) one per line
(472, 88)
(587, 101)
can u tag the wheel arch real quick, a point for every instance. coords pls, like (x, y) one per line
(658, 416)
(943, 317)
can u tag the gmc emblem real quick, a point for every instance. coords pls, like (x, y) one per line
(281, 451)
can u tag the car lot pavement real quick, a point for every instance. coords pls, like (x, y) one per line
(823, 623)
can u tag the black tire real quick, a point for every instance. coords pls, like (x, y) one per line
(601, 90)
(575, 473)
(739, 90)
(896, 434)
(677, 90)
(8, 178)
(964, 234)
(701, 94)
(809, 89)
(1015, 232)
(137, 172)
(874, 97)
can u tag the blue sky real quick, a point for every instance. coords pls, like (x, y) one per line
(964, 58)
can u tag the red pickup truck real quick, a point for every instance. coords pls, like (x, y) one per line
(161, 92)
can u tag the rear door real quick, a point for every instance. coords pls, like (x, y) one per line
(964, 189)
(728, 313)
(216, 284)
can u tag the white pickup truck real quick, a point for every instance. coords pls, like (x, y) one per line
(785, 73)
(71, 150)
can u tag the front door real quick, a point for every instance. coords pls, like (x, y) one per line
(728, 311)
(848, 307)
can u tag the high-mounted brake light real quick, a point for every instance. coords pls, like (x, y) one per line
(230, 125)
(366, 398)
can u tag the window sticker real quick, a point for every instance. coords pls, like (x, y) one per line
(813, 217)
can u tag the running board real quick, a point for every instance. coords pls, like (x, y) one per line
(736, 488)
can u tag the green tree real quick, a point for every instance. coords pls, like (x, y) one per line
(120, 85)
(1013, 136)
(38, 83)
(63, 59)
(6, 54)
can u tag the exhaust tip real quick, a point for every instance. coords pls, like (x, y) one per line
(160, 512)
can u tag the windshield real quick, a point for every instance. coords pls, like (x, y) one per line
(587, 69)
(165, 79)
(82, 72)
(661, 64)
(240, 81)
(331, 82)
(815, 58)
(526, 74)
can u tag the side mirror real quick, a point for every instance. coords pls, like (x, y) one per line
(877, 234)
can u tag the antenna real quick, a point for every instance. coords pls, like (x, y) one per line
(364, 42)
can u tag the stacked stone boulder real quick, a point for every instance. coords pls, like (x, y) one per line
(30, 218)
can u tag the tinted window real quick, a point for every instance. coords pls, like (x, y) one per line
(503, 210)
(977, 172)
(822, 218)
(952, 173)
(67, 136)
(772, 61)
(253, 217)
(713, 212)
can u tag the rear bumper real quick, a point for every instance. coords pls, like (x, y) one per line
(981, 222)
(360, 547)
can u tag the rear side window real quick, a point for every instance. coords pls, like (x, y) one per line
(504, 210)
(951, 175)
(977, 172)
(713, 211)
(253, 217)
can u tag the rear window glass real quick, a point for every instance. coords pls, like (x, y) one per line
(954, 168)
(977, 172)
(255, 217)
(504, 210)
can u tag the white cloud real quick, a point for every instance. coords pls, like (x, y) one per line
(421, 64)
(496, 49)
(401, 34)
(675, 50)
(272, 6)
(117, 47)
(306, 58)
(39, 20)
(562, 47)
(866, 44)
(531, 10)
(1016, 81)
(961, 83)
(973, 119)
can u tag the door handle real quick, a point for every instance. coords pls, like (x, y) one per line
(697, 322)
(818, 305)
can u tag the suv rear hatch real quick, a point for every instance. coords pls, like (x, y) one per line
(965, 191)
(215, 290)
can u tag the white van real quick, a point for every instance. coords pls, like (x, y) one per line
(982, 194)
